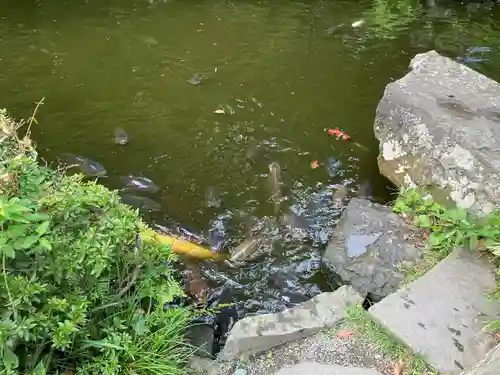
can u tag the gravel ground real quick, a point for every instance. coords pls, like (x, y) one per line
(323, 347)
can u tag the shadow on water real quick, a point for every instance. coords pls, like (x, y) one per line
(185, 106)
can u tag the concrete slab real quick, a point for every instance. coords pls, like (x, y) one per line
(442, 315)
(489, 365)
(324, 369)
(258, 333)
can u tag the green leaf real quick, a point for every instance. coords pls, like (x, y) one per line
(140, 326)
(473, 242)
(489, 242)
(29, 241)
(424, 221)
(10, 360)
(100, 344)
(457, 214)
(400, 206)
(45, 244)
(450, 233)
(39, 369)
(436, 239)
(37, 217)
(42, 228)
(9, 251)
(436, 208)
(17, 230)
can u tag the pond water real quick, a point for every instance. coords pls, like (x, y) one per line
(275, 76)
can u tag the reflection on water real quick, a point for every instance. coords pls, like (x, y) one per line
(202, 97)
(357, 244)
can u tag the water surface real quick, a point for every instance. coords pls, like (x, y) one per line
(282, 73)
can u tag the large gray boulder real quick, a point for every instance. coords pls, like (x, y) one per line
(439, 127)
(254, 334)
(368, 249)
(442, 316)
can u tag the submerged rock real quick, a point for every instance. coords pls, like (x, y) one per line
(201, 336)
(439, 126)
(367, 249)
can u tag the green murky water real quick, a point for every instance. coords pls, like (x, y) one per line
(288, 70)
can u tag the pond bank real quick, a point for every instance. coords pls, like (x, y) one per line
(445, 315)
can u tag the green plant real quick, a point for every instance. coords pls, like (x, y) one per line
(79, 292)
(448, 228)
(359, 320)
(451, 228)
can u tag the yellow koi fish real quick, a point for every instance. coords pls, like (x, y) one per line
(179, 247)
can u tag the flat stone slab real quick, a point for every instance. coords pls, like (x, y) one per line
(489, 365)
(441, 316)
(258, 333)
(313, 368)
(322, 347)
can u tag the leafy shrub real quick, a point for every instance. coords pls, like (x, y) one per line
(79, 291)
(449, 228)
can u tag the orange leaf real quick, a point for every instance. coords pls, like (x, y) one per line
(344, 334)
(314, 164)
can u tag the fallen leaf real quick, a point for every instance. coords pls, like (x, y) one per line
(219, 111)
(344, 334)
(397, 367)
(26, 142)
(314, 164)
(480, 245)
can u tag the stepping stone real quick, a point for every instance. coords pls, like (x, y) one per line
(489, 365)
(258, 333)
(313, 368)
(441, 316)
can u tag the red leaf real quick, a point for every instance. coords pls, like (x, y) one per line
(344, 334)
